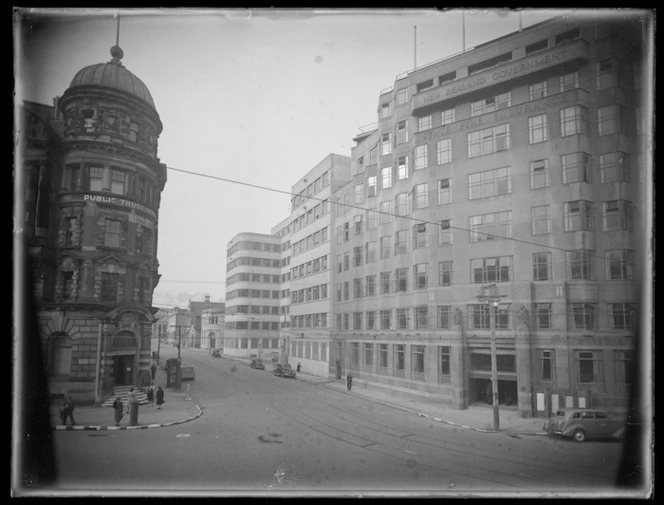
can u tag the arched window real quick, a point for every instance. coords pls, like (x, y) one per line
(60, 355)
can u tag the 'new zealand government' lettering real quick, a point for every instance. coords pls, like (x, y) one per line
(119, 201)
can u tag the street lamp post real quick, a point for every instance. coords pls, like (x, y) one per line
(493, 298)
(178, 370)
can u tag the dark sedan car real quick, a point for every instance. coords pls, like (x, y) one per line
(216, 353)
(582, 424)
(284, 371)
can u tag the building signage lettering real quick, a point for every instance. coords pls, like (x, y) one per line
(508, 72)
(500, 115)
(120, 202)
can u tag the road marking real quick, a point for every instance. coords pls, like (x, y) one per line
(182, 435)
(409, 452)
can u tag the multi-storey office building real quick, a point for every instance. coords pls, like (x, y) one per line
(282, 231)
(92, 183)
(519, 163)
(312, 218)
(252, 295)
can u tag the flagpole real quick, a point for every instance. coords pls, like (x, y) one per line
(415, 48)
(463, 30)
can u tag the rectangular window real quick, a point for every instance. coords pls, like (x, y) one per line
(385, 144)
(371, 285)
(371, 320)
(589, 366)
(610, 119)
(385, 211)
(581, 265)
(370, 252)
(489, 140)
(401, 96)
(357, 320)
(373, 155)
(576, 167)
(493, 182)
(619, 264)
(420, 236)
(382, 358)
(401, 242)
(421, 276)
(368, 356)
(604, 72)
(444, 191)
(385, 319)
(545, 365)
(402, 132)
(346, 261)
(574, 121)
(71, 178)
(67, 285)
(614, 167)
(385, 283)
(537, 90)
(117, 182)
(492, 226)
(399, 360)
(537, 130)
(386, 110)
(445, 273)
(371, 186)
(402, 319)
(447, 117)
(444, 151)
(357, 256)
(421, 317)
(566, 37)
(617, 215)
(385, 247)
(445, 232)
(346, 291)
(346, 323)
(112, 233)
(490, 104)
(479, 316)
(542, 266)
(358, 193)
(357, 224)
(421, 196)
(96, 175)
(420, 154)
(543, 316)
(424, 123)
(71, 225)
(621, 316)
(539, 174)
(569, 81)
(444, 317)
(487, 270)
(417, 361)
(401, 204)
(578, 216)
(402, 167)
(443, 364)
(386, 177)
(109, 287)
(541, 219)
(372, 219)
(401, 279)
(624, 366)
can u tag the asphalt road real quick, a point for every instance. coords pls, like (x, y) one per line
(264, 435)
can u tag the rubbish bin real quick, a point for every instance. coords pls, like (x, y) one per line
(133, 412)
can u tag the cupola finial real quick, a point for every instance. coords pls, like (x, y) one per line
(116, 51)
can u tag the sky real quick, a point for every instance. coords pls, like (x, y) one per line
(254, 96)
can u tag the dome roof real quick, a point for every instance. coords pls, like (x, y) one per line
(113, 75)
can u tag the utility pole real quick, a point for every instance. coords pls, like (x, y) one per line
(493, 298)
(178, 371)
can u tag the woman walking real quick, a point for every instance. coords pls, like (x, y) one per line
(150, 395)
(160, 397)
(118, 410)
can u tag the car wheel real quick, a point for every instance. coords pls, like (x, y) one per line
(579, 436)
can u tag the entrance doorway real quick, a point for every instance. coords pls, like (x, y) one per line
(481, 391)
(123, 370)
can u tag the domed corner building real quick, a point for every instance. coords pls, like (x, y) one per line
(92, 183)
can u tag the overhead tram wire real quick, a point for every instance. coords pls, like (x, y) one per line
(417, 221)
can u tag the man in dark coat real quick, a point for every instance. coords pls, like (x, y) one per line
(160, 397)
(153, 369)
(67, 411)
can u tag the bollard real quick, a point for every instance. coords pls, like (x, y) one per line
(133, 412)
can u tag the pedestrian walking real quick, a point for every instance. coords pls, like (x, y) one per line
(67, 411)
(150, 395)
(153, 370)
(298, 367)
(160, 397)
(130, 399)
(118, 409)
(349, 381)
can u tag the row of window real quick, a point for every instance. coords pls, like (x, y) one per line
(309, 350)
(110, 287)
(114, 235)
(251, 343)
(249, 277)
(312, 189)
(309, 321)
(252, 325)
(252, 293)
(310, 294)
(311, 215)
(100, 179)
(251, 309)
(310, 267)
(580, 316)
(375, 358)
(313, 240)
(254, 262)
(249, 245)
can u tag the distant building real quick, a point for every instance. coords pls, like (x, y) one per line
(91, 186)
(160, 326)
(178, 325)
(213, 327)
(195, 309)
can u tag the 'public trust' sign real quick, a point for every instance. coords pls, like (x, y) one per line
(120, 202)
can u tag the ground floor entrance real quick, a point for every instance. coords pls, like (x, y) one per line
(482, 392)
(123, 370)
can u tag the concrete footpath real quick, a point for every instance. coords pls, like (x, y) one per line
(179, 408)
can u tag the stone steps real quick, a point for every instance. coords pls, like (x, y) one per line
(123, 393)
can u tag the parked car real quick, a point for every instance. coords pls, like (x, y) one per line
(257, 364)
(284, 371)
(582, 424)
(216, 353)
